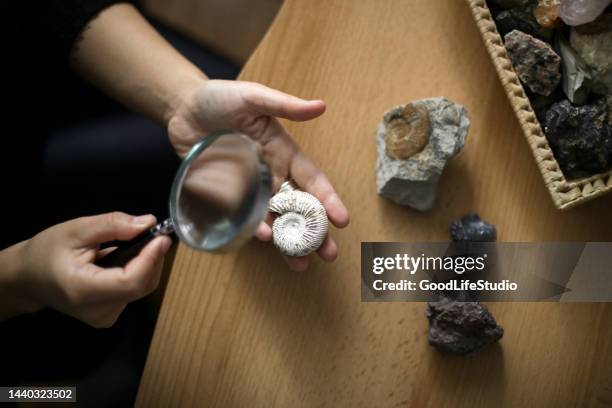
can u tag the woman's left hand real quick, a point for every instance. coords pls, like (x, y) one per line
(253, 109)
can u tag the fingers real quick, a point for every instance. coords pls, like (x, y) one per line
(263, 232)
(270, 102)
(137, 279)
(328, 250)
(298, 264)
(109, 227)
(311, 179)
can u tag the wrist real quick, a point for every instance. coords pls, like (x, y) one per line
(182, 95)
(14, 294)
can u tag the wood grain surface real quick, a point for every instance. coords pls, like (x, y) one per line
(241, 330)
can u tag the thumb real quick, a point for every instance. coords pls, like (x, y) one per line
(109, 227)
(270, 102)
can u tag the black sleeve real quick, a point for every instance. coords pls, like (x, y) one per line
(60, 22)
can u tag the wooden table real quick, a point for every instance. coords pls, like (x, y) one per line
(241, 330)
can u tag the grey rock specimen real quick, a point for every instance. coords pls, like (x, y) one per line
(413, 181)
(522, 19)
(580, 136)
(534, 61)
(577, 12)
(471, 228)
(593, 42)
(576, 75)
(461, 327)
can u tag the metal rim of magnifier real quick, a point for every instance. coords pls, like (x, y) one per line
(246, 226)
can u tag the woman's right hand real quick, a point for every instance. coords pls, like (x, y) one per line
(56, 268)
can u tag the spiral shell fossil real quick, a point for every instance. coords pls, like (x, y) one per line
(408, 131)
(301, 225)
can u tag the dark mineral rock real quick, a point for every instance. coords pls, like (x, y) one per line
(521, 19)
(580, 136)
(510, 3)
(473, 229)
(541, 103)
(534, 61)
(461, 327)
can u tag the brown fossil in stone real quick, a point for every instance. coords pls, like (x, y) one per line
(407, 131)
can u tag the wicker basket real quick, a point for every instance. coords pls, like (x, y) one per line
(565, 193)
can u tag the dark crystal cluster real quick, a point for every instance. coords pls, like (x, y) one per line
(461, 327)
(562, 52)
(472, 228)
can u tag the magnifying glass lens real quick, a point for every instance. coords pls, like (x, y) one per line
(222, 194)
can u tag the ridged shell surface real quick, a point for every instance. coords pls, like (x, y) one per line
(301, 225)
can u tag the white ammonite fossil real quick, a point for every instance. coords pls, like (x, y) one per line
(301, 225)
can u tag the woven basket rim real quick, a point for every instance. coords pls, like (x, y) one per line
(565, 193)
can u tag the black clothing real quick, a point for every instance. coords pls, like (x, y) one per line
(70, 151)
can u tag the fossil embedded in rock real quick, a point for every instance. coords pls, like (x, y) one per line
(414, 181)
(406, 131)
(534, 61)
(301, 225)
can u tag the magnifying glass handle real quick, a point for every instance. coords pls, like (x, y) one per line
(128, 250)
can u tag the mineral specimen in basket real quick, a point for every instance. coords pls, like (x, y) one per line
(301, 225)
(546, 13)
(522, 19)
(510, 3)
(414, 142)
(472, 228)
(535, 62)
(461, 327)
(580, 136)
(593, 42)
(577, 12)
(576, 76)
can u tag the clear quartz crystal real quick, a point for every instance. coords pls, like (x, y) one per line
(576, 12)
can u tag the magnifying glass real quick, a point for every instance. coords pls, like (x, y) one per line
(218, 198)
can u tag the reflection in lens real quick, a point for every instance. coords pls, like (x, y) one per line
(218, 192)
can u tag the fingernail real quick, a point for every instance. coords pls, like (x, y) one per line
(143, 219)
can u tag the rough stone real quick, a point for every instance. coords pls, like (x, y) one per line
(576, 77)
(535, 62)
(580, 137)
(522, 19)
(510, 3)
(471, 228)
(546, 13)
(577, 12)
(461, 327)
(413, 182)
(594, 45)
(541, 103)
